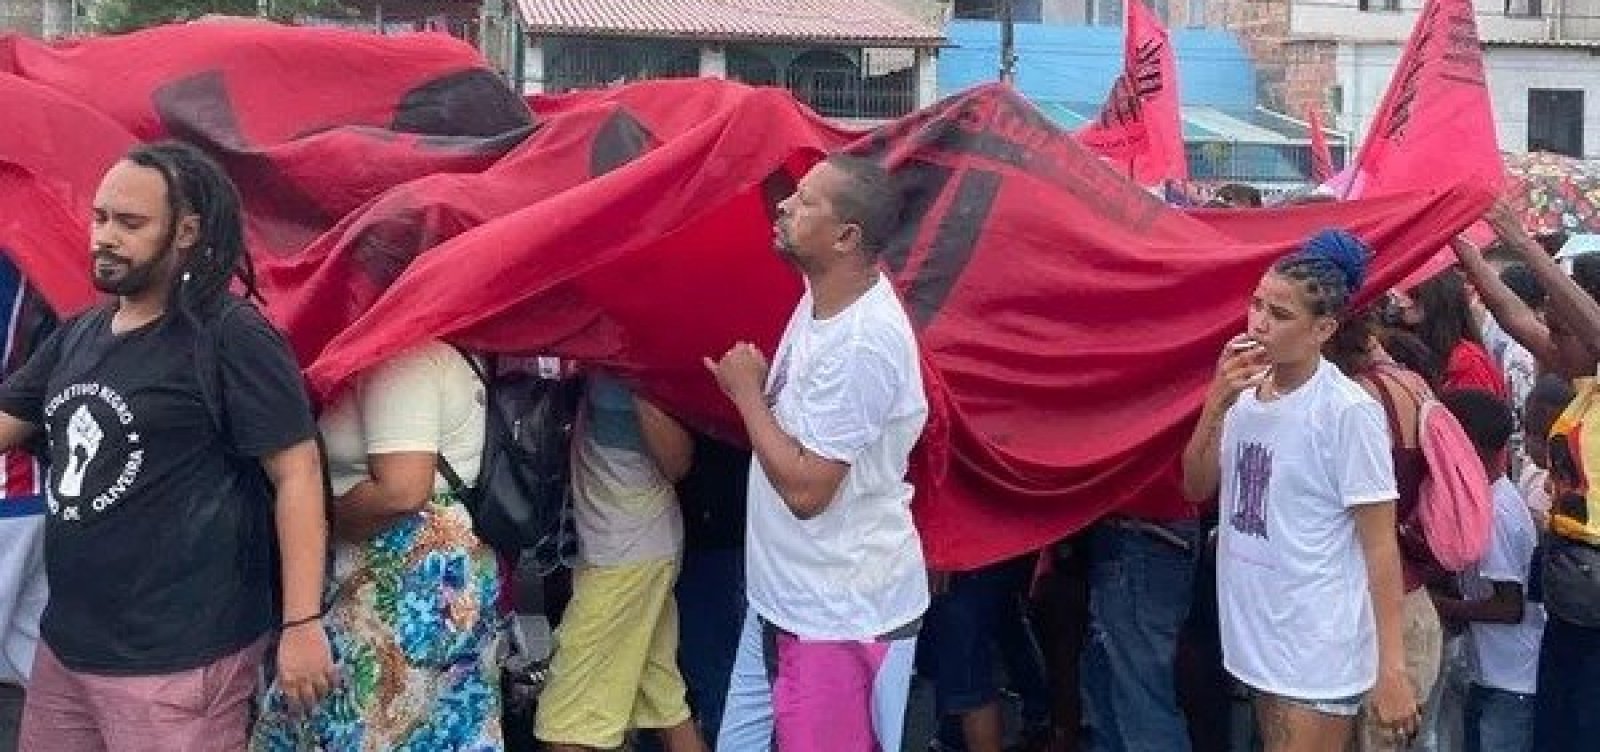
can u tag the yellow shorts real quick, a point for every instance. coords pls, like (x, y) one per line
(616, 658)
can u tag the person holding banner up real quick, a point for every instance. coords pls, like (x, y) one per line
(1309, 584)
(836, 582)
(1566, 341)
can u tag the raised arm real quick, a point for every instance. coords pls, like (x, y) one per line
(1516, 317)
(1576, 309)
(1241, 366)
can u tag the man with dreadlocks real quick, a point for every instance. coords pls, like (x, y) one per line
(180, 439)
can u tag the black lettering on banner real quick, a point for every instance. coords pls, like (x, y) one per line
(878, 144)
(953, 245)
(1020, 136)
(1147, 70)
(1123, 107)
(620, 140)
(473, 103)
(446, 113)
(1410, 74)
(920, 185)
(1006, 130)
(198, 109)
(1459, 60)
(1018, 141)
(1125, 104)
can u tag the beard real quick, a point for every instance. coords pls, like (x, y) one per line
(115, 275)
(783, 244)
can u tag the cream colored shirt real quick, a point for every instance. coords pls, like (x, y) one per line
(426, 400)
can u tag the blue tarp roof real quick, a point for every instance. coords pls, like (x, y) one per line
(1078, 63)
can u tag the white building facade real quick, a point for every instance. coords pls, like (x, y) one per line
(1541, 57)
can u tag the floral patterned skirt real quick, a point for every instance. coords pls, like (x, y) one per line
(415, 634)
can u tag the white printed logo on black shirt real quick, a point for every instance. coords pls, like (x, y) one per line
(98, 434)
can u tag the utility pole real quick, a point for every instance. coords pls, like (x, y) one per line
(1008, 47)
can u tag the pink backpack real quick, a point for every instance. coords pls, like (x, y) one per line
(1455, 511)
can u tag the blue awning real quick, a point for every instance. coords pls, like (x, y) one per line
(1204, 124)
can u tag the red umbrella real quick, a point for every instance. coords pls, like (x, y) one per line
(1553, 193)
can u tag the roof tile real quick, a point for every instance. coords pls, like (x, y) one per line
(836, 21)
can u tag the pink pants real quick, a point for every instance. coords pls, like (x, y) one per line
(814, 695)
(206, 709)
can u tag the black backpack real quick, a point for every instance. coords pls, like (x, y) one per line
(523, 477)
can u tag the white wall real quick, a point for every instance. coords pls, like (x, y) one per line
(1341, 19)
(1364, 71)
(932, 12)
(1513, 71)
(1063, 11)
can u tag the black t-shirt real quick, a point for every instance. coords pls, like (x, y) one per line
(159, 545)
(712, 495)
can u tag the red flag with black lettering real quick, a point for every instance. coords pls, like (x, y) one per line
(1435, 122)
(398, 193)
(1140, 128)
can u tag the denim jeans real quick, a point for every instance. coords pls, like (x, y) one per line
(977, 622)
(1569, 682)
(1443, 726)
(1140, 591)
(1498, 721)
(11, 700)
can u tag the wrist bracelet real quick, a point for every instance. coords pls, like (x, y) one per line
(299, 622)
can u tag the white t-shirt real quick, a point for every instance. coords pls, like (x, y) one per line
(625, 510)
(1507, 655)
(849, 389)
(1292, 576)
(1531, 485)
(1521, 371)
(425, 400)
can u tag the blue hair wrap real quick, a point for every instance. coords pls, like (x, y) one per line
(1344, 251)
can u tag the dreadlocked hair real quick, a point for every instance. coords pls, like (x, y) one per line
(197, 185)
(1329, 270)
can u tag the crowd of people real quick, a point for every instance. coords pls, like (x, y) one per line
(228, 570)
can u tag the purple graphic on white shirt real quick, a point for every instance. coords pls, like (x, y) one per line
(1253, 472)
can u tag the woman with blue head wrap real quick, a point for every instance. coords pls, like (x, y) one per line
(1308, 565)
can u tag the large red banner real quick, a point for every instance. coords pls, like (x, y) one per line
(397, 192)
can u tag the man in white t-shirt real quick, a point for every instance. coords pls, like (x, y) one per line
(1505, 627)
(836, 580)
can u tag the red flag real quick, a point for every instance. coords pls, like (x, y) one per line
(1139, 129)
(53, 150)
(1435, 122)
(1064, 361)
(1321, 157)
